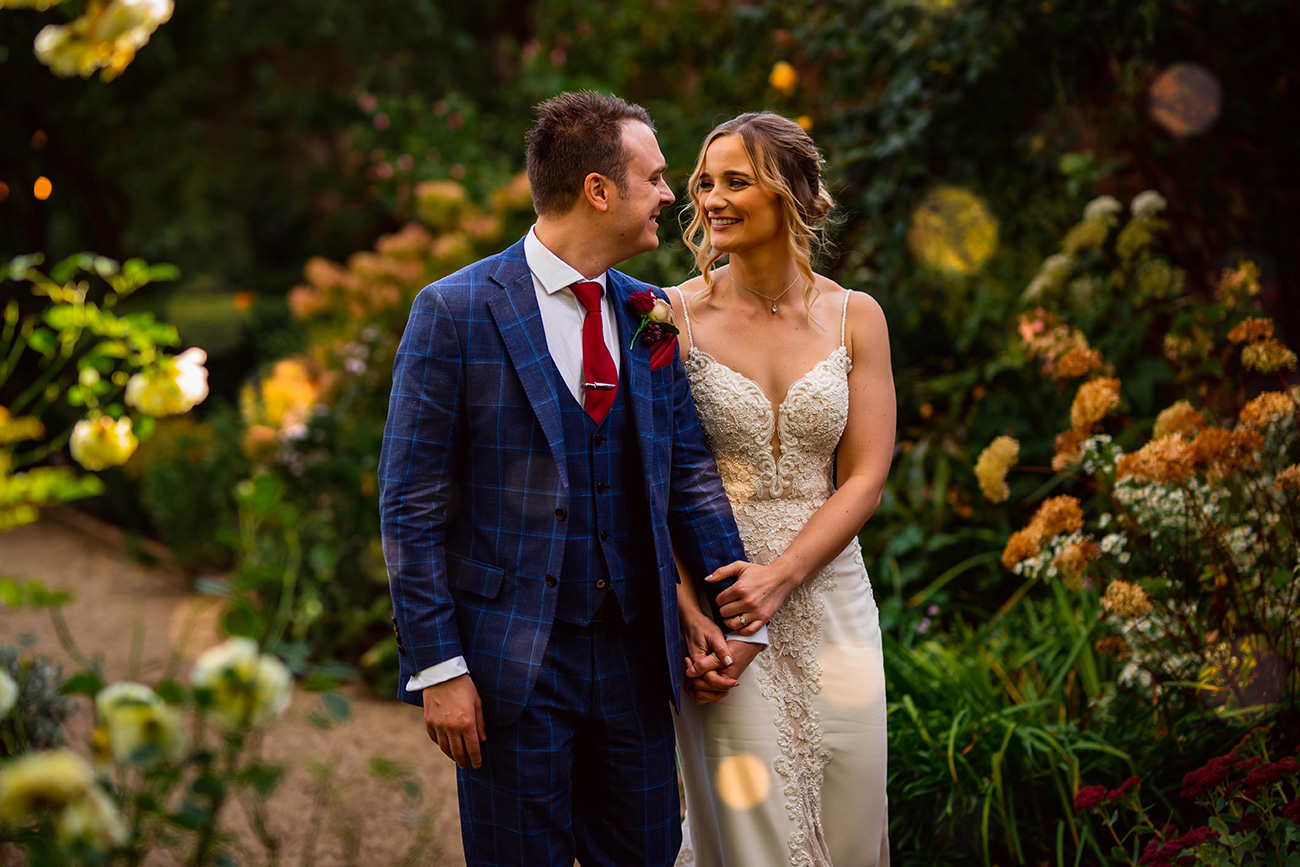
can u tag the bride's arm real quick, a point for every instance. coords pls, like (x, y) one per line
(864, 454)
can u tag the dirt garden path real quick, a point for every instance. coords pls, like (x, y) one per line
(119, 603)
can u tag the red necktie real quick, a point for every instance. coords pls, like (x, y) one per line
(599, 376)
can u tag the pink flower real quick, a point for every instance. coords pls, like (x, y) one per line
(1089, 798)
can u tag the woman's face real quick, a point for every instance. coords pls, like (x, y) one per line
(740, 214)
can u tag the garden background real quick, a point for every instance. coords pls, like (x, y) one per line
(1077, 216)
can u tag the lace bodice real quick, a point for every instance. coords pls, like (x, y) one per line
(773, 489)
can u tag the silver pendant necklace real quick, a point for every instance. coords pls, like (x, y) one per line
(770, 298)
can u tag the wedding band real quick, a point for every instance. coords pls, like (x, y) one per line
(742, 618)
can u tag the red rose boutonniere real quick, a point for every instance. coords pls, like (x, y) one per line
(656, 329)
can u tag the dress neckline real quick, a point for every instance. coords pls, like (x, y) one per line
(777, 407)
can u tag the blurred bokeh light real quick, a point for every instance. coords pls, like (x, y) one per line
(952, 231)
(1185, 99)
(742, 781)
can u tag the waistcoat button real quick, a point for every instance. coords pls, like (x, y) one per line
(560, 514)
(550, 580)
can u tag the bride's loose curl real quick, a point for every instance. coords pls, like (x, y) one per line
(787, 162)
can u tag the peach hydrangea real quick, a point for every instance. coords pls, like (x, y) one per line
(991, 468)
(1093, 401)
(1126, 600)
(1178, 418)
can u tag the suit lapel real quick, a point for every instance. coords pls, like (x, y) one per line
(637, 364)
(515, 311)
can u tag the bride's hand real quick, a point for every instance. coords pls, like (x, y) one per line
(706, 648)
(756, 595)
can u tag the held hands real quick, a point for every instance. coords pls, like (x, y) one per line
(713, 685)
(453, 716)
(754, 598)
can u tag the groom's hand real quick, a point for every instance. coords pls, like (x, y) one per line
(453, 716)
(713, 686)
(755, 596)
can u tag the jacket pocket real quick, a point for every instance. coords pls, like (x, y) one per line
(474, 576)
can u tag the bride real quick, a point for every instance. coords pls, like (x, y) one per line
(791, 377)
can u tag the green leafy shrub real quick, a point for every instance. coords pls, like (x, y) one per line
(38, 710)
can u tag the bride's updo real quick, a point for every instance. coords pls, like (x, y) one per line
(786, 162)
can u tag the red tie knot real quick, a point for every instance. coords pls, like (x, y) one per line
(588, 293)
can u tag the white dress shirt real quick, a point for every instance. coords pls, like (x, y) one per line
(562, 318)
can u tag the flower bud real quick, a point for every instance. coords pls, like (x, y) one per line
(662, 311)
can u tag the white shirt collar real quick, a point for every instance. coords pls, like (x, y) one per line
(549, 269)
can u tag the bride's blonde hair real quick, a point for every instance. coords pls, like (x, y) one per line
(787, 162)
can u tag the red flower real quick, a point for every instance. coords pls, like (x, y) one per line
(642, 302)
(1292, 811)
(1265, 775)
(1250, 822)
(1197, 836)
(1247, 764)
(1128, 785)
(1089, 798)
(1211, 776)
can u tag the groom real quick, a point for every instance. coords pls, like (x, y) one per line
(540, 468)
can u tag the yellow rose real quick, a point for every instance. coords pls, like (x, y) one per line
(101, 442)
(141, 727)
(43, 780)
(240, 687)
(173, 386)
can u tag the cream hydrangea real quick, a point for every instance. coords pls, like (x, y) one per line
(92, 820)
(101, 442)
(171, 387)
(1147, 204)
(240, 687)
(44, 780)
(1102, 208)
(141, 728)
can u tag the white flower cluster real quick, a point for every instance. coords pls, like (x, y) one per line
(1172, 512)
(1146, 637)
(1099, 454)
(239, 687)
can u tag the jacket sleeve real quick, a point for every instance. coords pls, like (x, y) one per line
(703, 529)
(423, 440)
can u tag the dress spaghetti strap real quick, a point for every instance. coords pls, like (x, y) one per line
(844, 315)
(690, 338)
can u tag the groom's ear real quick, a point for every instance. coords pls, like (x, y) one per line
(596, 190)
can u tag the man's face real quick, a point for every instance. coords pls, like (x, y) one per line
(634, 210)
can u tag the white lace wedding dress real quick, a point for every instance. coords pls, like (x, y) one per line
(789, 769)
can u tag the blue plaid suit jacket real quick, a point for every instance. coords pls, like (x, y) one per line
(473, 484)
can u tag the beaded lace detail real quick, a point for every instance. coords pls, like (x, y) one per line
(773, 494)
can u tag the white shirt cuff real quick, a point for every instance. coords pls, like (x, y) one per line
(759, 637)
(445, 670)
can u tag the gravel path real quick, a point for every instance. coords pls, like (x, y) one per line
(141, 621)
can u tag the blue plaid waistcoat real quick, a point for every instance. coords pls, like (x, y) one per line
(606, 520)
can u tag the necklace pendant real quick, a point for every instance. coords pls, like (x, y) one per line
(773, 306)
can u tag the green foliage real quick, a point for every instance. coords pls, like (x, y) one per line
(36, 720)
(73, 353)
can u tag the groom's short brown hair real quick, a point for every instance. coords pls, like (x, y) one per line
(577, 133)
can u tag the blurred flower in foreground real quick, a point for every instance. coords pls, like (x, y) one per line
(8, 693)
(783, 77)
(92, 820)
(991, 468)
(952, 231)
(1185, 99)
(171, 387)
(48, 780)
(239, 687)
(102, 442)
(106, 36)
(39, 5)
(140, 726)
